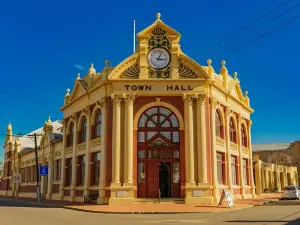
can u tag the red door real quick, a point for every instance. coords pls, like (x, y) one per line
(152, 179)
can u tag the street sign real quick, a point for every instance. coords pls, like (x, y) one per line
(226, 196)
(43, 170)
(17, 178)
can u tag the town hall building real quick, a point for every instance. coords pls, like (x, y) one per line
(158, 124)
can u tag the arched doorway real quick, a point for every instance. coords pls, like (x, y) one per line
(158, 153)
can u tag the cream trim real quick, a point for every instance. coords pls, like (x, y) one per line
(158, 103)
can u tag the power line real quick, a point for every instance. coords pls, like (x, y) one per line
(249, 24)
(268, 21)
(265, 34)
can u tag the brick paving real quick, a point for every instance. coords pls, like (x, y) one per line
(156, 207)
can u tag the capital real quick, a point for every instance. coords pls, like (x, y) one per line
(201, 98)
(250, 123)
(116, 98)
(240, 120)
(188, 98)
(102, 103)
(87, 110)
(213, 102)
(129, 98)
(228, 111)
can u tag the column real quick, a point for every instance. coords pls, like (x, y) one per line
(102, 178)
(258, 175)
(213, 106)
(116, 151)
(129, 141)
(189, 101)
(227, 116)
(240, 154)
(251, 161)
(50, 173)
(201, 139)
(62, 177)
(74, 158)
(87, 168)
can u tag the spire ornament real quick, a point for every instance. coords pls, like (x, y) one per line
(158, 15)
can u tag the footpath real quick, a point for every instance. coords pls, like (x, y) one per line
(153, 208)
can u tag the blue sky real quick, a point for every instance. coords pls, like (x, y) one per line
(42, 41)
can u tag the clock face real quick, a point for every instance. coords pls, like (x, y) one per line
(159, 58)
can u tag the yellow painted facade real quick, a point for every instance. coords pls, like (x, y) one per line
(196, 95)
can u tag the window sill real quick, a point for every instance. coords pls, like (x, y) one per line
(81, 187)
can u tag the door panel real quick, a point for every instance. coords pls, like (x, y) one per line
(152, 179)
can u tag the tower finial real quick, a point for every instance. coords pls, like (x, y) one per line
(49, 120)
(209, 62)
(106, 63)
(78, 76)
(246, 93)
(67, 92)
(235, 75)
(158, 16)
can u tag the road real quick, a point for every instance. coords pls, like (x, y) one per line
(23, 213)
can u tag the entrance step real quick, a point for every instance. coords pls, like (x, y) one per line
(157, 201)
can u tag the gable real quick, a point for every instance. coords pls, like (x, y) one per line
(78, 91)
(235, 90)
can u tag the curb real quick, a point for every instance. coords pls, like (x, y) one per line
(106, 212)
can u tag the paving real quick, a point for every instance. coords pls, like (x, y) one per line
(158, 208)
(24, 213)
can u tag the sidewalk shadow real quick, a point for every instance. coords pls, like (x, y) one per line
(288, 222)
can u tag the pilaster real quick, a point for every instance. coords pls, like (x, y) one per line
(229, 176)
(63, 163)
(213, 107)
(50, 173)
(74, 158)
(251, 162)
(201, 140)
(240, 155)
(129, 140)
(116, 150)
(188, 100)
(87, 169)
(102, 178)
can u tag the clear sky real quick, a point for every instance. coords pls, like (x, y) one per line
(44, 44)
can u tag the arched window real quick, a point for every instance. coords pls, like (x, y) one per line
(232, 131)
(70, 135)
(219, 126)
(83, 130)
(98, 124)
(244, 136)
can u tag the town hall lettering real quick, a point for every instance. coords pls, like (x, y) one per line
(149, 88)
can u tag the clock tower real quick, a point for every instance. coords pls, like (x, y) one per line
(159, 50)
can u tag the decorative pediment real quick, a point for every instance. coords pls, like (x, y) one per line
(190, 69)
(131, 73)
(126, 69)
(159, 24)
(158, 142)
(79, 90)
(235, 90)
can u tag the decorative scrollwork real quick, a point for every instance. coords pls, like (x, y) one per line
(163, 73)
(158, 39)
(186, 72)
(132, 72)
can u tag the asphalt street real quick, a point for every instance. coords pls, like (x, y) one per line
(23, 213)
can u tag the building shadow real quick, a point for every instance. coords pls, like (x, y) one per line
(288, 222)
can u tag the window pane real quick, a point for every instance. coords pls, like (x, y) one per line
(175, 136)
(98, 130)
(220, 173)
(150, 135)
(141, 173)
(141, 154)
(151, 111)
(176, 174)
(174, 121)
(142, 121)
(164, 111)
(154, 118)
(161, 118)
(149, 154)
(166, 124)
(166, 134)
(150, 124)
(141, 137)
